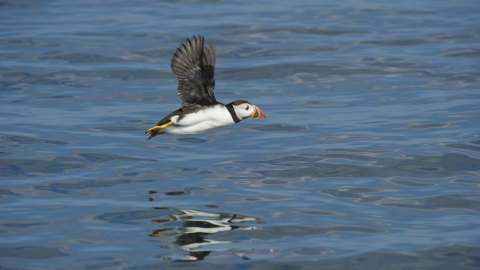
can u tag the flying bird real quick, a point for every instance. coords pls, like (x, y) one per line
(194, 64)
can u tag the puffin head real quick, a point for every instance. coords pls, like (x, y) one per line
(244, 109)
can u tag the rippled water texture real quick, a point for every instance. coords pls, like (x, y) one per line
(369, 157)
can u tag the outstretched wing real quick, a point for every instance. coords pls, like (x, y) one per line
(195, 79)
(209, 68)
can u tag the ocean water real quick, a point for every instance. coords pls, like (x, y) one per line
(369, 157)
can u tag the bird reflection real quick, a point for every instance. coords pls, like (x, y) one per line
(191, 233)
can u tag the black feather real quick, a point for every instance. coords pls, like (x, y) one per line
(194, 66)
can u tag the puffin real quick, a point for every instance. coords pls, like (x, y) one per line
(193, 64)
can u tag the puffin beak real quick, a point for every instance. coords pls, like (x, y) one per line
(258, 113)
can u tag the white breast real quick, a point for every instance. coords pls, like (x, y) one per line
(201, 121)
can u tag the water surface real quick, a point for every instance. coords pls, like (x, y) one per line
(369, 157)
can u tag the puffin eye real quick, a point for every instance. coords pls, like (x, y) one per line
(247, 108)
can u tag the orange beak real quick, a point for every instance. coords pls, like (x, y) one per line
(258, 113)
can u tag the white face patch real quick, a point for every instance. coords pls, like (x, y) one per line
(244, 110)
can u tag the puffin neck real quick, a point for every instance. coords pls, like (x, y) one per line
(231, 110)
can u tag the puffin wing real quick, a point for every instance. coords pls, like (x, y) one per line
(209, 68)
(195, 80)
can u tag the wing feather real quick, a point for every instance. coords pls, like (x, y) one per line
(209, 68)
(196, 81)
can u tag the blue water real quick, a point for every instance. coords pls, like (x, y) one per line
(369, 157)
